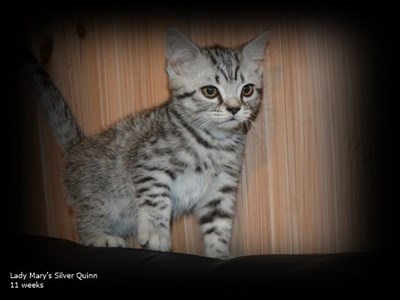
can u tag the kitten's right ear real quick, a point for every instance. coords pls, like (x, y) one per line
(179, 49)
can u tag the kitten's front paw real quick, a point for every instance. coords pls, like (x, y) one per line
(154, 240)
(105, 241)
(217, 254)
(222, 256)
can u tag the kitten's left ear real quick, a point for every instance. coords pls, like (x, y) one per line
(255, 49)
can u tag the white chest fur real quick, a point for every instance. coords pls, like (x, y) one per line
(189, 189)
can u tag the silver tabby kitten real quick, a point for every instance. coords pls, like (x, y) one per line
(183, 156)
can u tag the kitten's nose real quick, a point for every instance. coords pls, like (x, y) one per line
(233, 109)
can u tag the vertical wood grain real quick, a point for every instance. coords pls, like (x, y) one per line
(301, 189)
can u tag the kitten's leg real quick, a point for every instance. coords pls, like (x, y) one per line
(154, 216)
(216, 218)
(92, 226)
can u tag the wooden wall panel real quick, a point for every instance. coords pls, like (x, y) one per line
(302, 184)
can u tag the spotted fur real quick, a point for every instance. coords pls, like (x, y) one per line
(183, 156)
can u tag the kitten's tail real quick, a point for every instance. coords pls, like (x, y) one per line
(58, 115)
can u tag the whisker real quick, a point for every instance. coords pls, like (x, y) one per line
(256, 131)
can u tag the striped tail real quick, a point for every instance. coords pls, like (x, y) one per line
(58, 115)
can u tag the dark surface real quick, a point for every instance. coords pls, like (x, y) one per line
(143, 269)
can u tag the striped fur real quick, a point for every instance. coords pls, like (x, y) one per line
(183, 156)
(58, 114)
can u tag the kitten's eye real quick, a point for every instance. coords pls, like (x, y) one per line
(247, 90)
(210, 91)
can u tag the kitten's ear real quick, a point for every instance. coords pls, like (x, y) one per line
(255, 49)
(179, 48)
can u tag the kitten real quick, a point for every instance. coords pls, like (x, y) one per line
(183, 156)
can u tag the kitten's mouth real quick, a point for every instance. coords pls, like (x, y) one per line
(235, 119)
(233, 122)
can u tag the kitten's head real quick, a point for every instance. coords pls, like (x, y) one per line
(215, 87)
